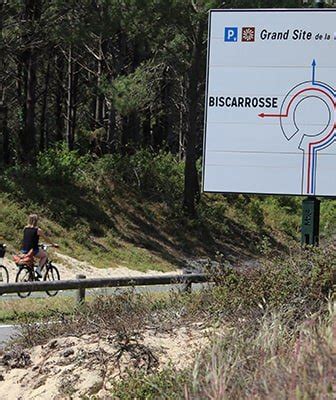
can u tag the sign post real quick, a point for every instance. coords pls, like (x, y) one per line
(270, 124)
(310, 221)
(310, 227)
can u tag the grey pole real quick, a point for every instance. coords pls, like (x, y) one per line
(81, 291)
(311, 206)
(187, 287)
(91, 283)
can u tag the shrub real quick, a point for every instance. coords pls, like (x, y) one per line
(58, 164)
(328, 217)
(166, 384)
(156, 176)
(303, 280)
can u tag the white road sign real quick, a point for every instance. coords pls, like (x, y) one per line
(270, 102)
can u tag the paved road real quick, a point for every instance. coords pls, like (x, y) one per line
(6, 331)
(93, 292)
(106, 291)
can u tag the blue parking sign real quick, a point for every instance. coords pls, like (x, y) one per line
(230, 34)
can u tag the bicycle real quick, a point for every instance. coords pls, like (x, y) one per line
(4, 275)
(27, 273)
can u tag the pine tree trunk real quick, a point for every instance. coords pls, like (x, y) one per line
(27, 134)
(168, 117)
(99, 96)
(134, 129)
(111, 129)
(181, 146)
(191, 185)
(71, 101)
(59, 97)
(146, 129)
(32, 12)
(43, 121)
(3, 106)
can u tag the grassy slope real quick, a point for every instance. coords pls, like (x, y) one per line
(109, 223)
(109, 220)
(32, 309)
(125, 229)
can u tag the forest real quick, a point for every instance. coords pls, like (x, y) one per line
(107, 77)
(101, 134)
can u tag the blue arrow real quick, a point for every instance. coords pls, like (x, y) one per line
(315, 83)
(314, 68)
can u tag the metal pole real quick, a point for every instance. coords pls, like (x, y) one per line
(188, 285)
(310, 229)
(81, 291)
(91, 283)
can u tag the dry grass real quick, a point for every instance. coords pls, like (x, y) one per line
(123, 314)
(276, 340)
(274, 362)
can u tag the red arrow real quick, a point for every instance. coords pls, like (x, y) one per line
(262, 115)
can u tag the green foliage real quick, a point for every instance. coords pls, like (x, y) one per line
(213, 209)
(164, 385)
(264, 246)
(84, 200)
(82, 233)
(284, 213)
(328, 218)
(157, 176)
(58, 164)
(135, 91)
(35, 309)
(303, 280)
(256, 211)
(12, 220)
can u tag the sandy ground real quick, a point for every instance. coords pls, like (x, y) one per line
(69, 267)
(73, 367)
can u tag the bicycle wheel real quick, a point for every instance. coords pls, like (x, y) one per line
(4, 275)
(24, 274)
(51, 274)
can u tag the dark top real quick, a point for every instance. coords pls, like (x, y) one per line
(30, 239)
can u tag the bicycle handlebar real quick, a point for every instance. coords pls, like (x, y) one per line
(45, 246)
(2, 250)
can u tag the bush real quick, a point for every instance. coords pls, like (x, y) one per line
(156, 176)
(304, 280)
(284, 213)
(166, 384)
(328, 217)
(58, 164)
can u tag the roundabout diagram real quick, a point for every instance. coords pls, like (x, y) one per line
(308, 112)
(270, 125)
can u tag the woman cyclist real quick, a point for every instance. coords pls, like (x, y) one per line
(30, 242)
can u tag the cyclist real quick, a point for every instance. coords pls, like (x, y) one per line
(30, 242)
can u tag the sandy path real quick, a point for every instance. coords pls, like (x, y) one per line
(73, 367)
(69, 267)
